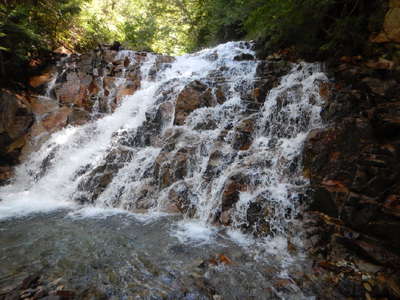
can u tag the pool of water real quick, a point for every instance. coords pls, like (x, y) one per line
(131, 256)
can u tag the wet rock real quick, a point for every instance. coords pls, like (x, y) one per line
(96, 181)
(149, 132)
(162, 62)
(353, 163)
(12, 296)
(194, 96)
(74, 90)
(6, 173)
(243, 134)
(379, 86)
(256, 216)
(351, 288)
(128, 90)
(78, 117)
(217, 161)
(323, 202)
(41, 79)
(30, 281)
(373, 251)
(42, 106)
(56, 120)
(52, 297)
(381, 64)
(233, 187)
(183, 198)
(173, 166)
(65, 295)
(244, 57)
(276, 68)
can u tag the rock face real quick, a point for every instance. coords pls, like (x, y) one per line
(354, 167)
(80, 88)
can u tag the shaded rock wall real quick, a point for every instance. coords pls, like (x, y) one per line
(354, 167)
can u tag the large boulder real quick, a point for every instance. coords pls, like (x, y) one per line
(75, 89)
(192, 97)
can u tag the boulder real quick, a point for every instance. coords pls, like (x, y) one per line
(234, 185)
(172, 166)
(243, 136)
(56, 120)
(42, 79)
(181, 197)
(73, 90)
(78, 117)
(41, 106)
(6, 173)
(15, 114)
(192, 97)
(244, 57)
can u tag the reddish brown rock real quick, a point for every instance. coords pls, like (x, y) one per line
(194, 96)
(41, 106)
(78, 117)
(243, 134)
(56, 120)
(381, 64)
(129, 89)
(180, 196)
(6, 173)
(234, 185)
(75, 90)
(173, 166)
(42, 79)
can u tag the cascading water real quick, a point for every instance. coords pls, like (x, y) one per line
(192, 139)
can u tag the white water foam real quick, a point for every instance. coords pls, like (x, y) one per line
(63, 171)
(194, 232)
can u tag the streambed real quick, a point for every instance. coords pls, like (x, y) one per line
(127, 256)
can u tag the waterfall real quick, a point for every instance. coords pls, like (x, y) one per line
(192, 140)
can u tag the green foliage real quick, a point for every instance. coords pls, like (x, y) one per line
(320, 27)
(162, 26)
(30, 28)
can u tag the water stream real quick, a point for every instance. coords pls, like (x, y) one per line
(137, 201)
